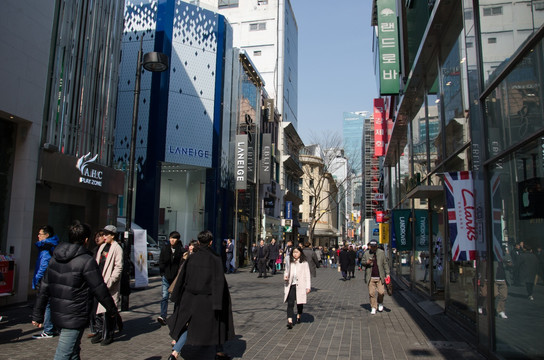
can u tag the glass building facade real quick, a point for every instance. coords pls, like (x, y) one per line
(472, 103)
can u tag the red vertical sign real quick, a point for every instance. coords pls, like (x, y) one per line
(379, 128)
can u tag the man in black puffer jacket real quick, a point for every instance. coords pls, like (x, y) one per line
(70, 282)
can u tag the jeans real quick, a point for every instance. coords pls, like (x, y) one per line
(47, 324)
(181, 341)
(165, 296)
(68, 347)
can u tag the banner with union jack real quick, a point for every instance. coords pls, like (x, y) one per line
(461, 217)
(496, 208)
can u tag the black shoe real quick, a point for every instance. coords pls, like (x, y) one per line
(161, 321)
(106, 341)
(172, 357)
(289, 325)
(298, 320)
(260, 276)
(265, 276)
(97, 338)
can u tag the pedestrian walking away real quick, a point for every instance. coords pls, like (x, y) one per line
(298, 284)
(47, 241)
(169, 263)
(70, 283)
(203, 316)
(376, 274)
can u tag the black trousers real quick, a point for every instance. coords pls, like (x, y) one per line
(105, 325)
(262, 266)
(291, 301)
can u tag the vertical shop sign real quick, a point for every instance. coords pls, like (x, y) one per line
(266, 159)
(403, 231)
(459, 189)
(384, 233)
(289, 210)
(388, 37)
(240, 162)
(379, 128)
(422, 230)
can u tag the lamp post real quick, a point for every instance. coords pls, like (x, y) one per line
(153, 62)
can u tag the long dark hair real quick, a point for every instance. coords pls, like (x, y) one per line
(302, 256)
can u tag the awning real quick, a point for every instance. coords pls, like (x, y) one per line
(425, 192)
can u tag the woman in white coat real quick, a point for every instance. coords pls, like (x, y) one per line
(297, 284)
(110, 260)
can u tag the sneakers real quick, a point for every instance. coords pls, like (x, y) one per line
(380, 307)
(373, 311)
(531, 297)
(43, 335)
(161, 321)
(502, 315)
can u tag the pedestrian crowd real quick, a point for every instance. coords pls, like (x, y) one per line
(79, 285)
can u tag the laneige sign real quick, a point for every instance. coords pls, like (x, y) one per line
(240, 162)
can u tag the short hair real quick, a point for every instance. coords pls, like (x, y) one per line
(78, 233)
(205, 236)
(47, 229)
(307, 244)
(175, 235)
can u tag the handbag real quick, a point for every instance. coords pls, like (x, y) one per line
(389, 286)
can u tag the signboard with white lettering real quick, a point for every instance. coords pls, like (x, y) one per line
(388, 38)
(266, 159)
(379, 128)
(240, 162)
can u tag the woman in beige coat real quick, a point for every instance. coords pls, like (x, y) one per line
(110, 260)
(297, 285)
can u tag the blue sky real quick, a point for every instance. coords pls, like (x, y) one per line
(335, 67)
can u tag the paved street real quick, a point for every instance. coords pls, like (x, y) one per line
(336, 325)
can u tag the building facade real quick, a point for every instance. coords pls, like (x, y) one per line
(469, 110)
(57, 114)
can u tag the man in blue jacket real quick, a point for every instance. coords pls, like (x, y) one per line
(71, 281)
(47, 241)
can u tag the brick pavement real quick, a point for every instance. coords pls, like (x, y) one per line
(336, 325)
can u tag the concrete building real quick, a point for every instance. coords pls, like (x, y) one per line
(319, 210)
(57, 116)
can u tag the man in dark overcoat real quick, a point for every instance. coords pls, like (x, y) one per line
(202, 293)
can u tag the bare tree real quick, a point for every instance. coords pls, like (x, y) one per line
(327, 175)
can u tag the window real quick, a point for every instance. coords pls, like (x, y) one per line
(469, 45)
(262, 2)
(492, 40)
(257, 26)
(257, 53)
(227, 3)
(493, 11)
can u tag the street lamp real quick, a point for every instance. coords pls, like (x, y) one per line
(153, 62)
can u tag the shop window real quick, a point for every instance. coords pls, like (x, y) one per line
(516, 184)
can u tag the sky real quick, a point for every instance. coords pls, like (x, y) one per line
(335, 63)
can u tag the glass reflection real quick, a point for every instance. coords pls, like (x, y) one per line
(514, 108)
(516, 198)
(505, 26)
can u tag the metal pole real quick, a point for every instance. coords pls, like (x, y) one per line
(129, 236)
(132, 160)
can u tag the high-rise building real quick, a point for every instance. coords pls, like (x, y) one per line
(352, 136)
(268, 32)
